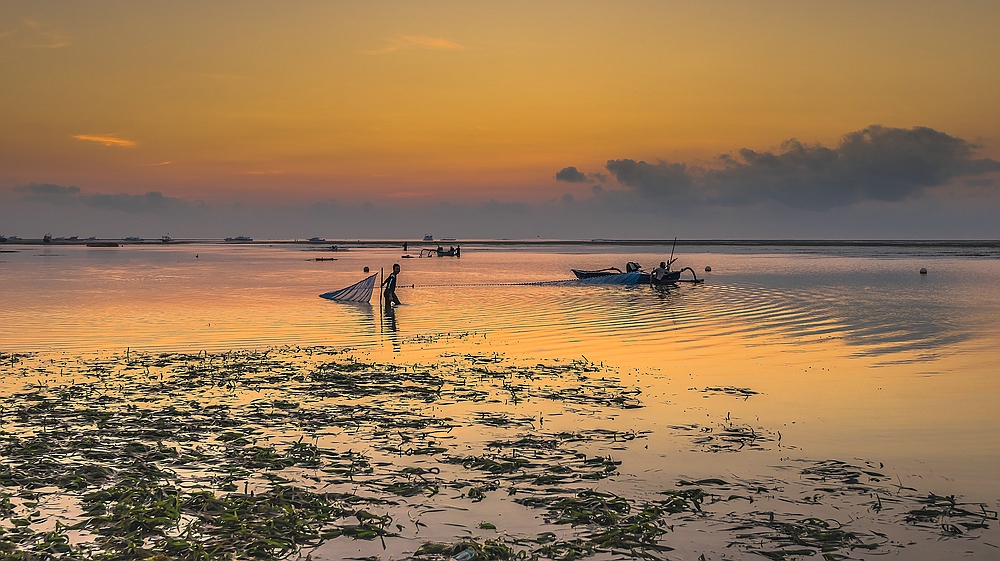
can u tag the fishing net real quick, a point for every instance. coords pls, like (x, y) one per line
(357, 292)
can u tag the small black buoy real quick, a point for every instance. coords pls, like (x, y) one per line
(923, 271)
(366, 269)
(708, 268)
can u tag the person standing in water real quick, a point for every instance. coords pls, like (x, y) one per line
(660, 272)
(390, 288)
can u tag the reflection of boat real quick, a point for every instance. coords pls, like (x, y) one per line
(103, 244)
(239, 239)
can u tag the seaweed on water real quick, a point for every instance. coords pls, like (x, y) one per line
(250, 454)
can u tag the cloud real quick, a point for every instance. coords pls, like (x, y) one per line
(48, 193)
(406, 42)
(660, 181)
(35, 34)
(106, 139)
(874, 164)
(152, 201)
(570, 175)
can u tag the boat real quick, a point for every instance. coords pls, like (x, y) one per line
(630, 267)
(239, 239)
(3, 239)
(582, 274)
(133, 239)
(47, 238)
(428, 238)
(315, 239)
(671, 277)
(166, 239)
(450, 252)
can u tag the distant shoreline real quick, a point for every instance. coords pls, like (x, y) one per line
(346, 243)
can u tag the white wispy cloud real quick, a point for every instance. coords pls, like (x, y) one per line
(106, 139)
(407, 42)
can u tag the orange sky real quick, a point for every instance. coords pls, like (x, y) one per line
(464, 101)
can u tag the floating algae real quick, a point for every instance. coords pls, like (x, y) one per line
(270, 454)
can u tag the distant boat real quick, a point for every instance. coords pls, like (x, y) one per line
(92, 238)
(47, 238)
(317, 240)
(447, 239)
(239, 239)
(3, 239)
(133, 239)
(103, 244)
(428, 238)
(166, 239)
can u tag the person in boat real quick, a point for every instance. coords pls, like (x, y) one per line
(660, 272)
(390, 288)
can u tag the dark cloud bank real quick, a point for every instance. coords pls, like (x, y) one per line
(151, 202)
(875, 164)
(878, 183)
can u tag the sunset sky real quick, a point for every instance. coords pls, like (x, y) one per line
(131, 111)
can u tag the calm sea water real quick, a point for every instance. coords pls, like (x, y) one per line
(855, 354)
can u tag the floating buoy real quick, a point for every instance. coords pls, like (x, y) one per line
(923, 271)
(708, 268)
(366, 269)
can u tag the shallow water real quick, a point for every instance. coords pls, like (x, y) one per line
(856, 356)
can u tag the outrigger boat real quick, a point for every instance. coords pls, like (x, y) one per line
(633, 268)
(642, 277)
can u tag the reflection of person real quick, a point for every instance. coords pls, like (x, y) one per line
(390, 287)
(659, 272)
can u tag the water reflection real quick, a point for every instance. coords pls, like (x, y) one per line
(389, 327)
(163, 298)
